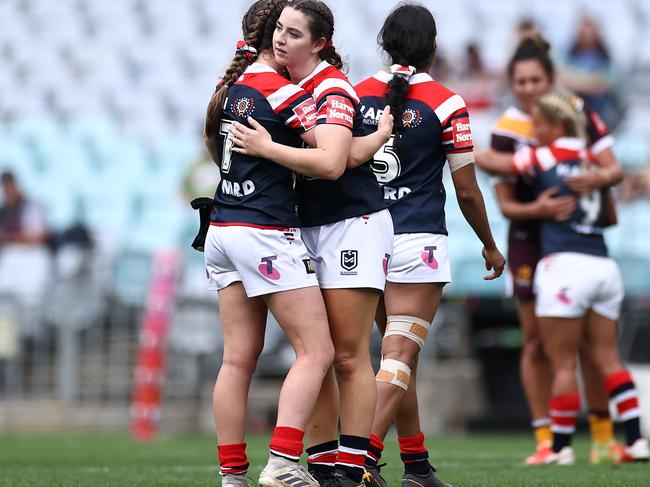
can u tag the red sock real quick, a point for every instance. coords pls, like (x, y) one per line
(352, 456)
(322, 457)
(564, 414)
(623, 394)
(375, 449)
(414, 455)
(287, 442)
(232, 459)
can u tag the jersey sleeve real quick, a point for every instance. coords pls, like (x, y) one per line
(294, 107)
(502, 143)
(598, 135)
(524, 162)
(336, 102)
(457, 140)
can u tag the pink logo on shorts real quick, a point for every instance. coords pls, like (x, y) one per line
(385, 263)
(428, 258)
(267, 270)
(562, 296)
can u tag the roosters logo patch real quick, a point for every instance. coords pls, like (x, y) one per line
(411, 118)
(243, 107)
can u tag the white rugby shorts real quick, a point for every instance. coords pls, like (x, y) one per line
(352, 253)
(568, 284)
(419, 257)
(264, 260)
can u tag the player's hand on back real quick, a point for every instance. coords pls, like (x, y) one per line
(590, 181)
(552, 207)
(494, 261)
(250, 141)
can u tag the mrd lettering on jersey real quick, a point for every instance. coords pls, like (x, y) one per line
(237, 190)
(338, 110)
(395, 194)
(462, 133)
(306, 113)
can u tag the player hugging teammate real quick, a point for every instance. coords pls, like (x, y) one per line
(554, 191)
(360, 214)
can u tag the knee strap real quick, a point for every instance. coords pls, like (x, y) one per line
(394, 372)
(411, 327)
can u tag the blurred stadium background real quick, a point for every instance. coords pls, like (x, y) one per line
(101, 112)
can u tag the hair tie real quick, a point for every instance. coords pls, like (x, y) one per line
(247, 50)
(402, 71)
(329, 44)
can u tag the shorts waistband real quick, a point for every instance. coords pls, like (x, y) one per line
(253, 225)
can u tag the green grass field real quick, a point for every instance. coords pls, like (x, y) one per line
(98, 460)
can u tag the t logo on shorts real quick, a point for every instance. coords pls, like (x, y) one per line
(266, 268)
(562, 296)
(349, 259)
(385, 263)
(428, 258)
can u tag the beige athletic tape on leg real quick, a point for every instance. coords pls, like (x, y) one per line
(410, 327)
(394, 372)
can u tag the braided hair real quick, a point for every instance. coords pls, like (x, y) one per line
(321, 24)
(258, 25)
(408, 37)
(533, 47)
(561, 108)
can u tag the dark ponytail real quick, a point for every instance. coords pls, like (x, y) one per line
(321, 24)
(533, 47)
(258, 25)
(408, 37)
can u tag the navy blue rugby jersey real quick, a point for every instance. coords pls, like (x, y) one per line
(356, 192)
(435, 128)
(547, 167)
(514, 130)
(253, 190)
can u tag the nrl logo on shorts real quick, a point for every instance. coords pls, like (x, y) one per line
(349, 259)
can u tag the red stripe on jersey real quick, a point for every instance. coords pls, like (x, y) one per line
(266, 83)
(431, 93)
(328, 72)
(460, 113)
(371, 87)
(561, 154)
(289, 101)
(534, 160)
(251, 225)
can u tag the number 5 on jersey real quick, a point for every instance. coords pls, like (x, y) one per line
(385, 163)
(224, 131)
